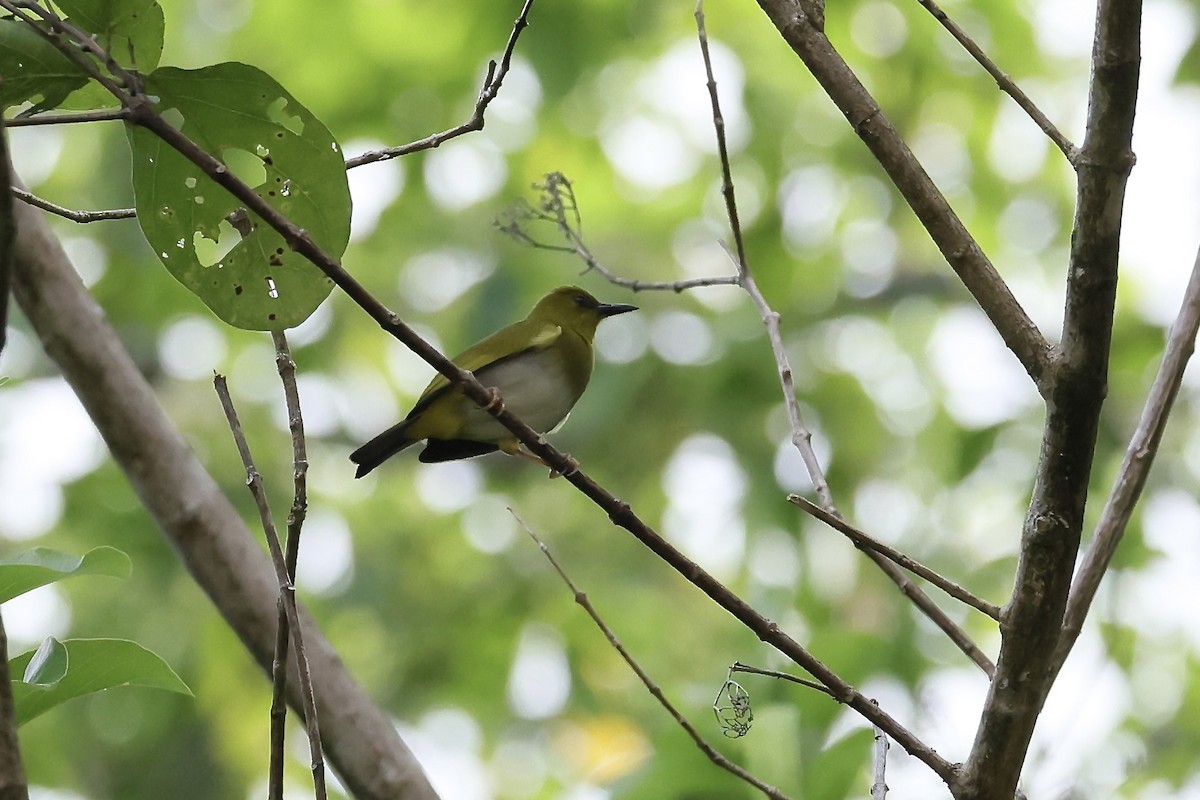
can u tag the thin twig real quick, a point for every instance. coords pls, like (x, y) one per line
(738, 666)
(287, 374)
(801, 435)
(491, 88)
(954, 632)
(1135, 467)
(557, 205)
(1005, 82)
(582, 599)
(65, 119)
(71, 214)
(287, 591)
(862, 540)
(802, 30)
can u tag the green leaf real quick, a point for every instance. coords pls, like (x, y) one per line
(131, 31)
(238, 266)
(33, 68)
(48, 665)
(95, 665)
(39, 566)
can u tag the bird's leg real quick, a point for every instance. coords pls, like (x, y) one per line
(572, 467)
(495, 402)
(514, 448)
(528, 456)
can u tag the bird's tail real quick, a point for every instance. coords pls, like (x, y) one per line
(380, 449)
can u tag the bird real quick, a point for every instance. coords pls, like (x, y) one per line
(539, 365)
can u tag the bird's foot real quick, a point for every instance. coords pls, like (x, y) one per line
(495, 402)
(572, 467)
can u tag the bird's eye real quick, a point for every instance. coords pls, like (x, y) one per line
(581, 300)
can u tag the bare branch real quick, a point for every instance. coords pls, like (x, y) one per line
(801, 435)
(287, 376)
(557, 206)
(1139, 457)
(1005, 82)
(783, 676)
(582, 599)
(804, 34)
(863, 541)
(71, 214)
(491, 88)
(287, 602)
(937, 616)
(65, 118)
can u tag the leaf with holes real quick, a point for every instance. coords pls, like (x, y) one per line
(240, 267)
(85, 666)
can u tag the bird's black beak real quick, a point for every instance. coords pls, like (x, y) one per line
(612, 309)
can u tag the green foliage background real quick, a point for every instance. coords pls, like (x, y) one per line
(684, 418)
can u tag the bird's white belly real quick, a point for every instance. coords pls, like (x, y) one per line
(534, 387)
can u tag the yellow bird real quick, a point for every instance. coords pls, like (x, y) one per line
(540, 365)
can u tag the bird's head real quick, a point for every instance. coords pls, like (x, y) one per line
(574, 309)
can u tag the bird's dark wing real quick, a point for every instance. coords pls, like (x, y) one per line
(437, 450)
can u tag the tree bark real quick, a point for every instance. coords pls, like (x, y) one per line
(214, 544)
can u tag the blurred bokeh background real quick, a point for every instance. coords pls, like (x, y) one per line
(439, 603)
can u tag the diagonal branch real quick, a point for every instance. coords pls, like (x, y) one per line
(491, 88)
(804, 35)
(865, 542)
(1004, 81)
(711, 752)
